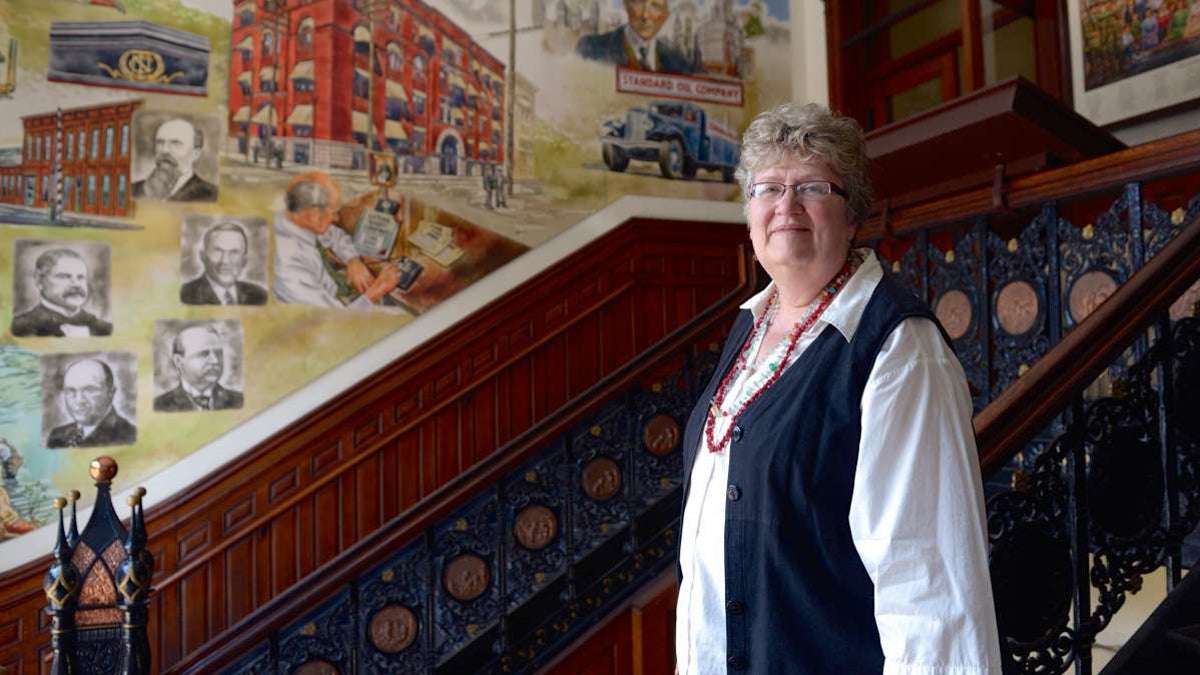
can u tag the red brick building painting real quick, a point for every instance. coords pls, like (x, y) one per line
(304, 90)
(95, 157)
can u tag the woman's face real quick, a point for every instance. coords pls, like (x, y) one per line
(794, 231)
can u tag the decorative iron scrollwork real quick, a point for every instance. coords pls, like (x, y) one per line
(1020, 319)
(1123, 500)
(956, 300)
(324, 637)
(1032, 566)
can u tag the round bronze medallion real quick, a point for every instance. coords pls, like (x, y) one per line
(601, 479)
(1017, 307)
(467, 577)
(317, 668)
(535, 527)
(393, 629)
(661, 435)
(1088, 292)
(953, 310)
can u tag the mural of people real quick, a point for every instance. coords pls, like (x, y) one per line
(312, 204)
(387, 235)
(178, 144)
(224, 252)
(11, 522)
(87, 390)
(197, 356)
(635, 44)
(64, 287)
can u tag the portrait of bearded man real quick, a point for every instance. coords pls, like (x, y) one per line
(179, 144)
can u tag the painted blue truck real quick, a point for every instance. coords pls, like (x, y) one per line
(679, 136)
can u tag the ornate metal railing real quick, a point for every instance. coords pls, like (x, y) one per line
(506, 566)
(1091, 439)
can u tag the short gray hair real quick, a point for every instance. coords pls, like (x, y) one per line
(177, 343)
(806, 132)
(226, 226)
(48, 259)
(305, 195)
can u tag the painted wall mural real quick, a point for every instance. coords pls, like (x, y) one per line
(206, 204)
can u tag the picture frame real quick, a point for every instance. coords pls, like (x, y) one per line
(1120, 70)
(383, 169)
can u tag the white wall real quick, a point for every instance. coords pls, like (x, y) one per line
(810, 73)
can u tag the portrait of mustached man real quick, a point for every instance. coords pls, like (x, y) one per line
(197, 356)
(179, 144)
(65, 285)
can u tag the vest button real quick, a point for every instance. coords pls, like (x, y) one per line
(736, 434)
(733, 492)
(737, 663)
(735, 607)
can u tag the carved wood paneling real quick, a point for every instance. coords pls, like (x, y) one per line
(10, 632)
(291, 504)
(639, 639)
(608, 652)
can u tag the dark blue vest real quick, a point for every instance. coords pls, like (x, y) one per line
(798, 599)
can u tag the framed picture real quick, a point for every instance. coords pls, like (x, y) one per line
(1133, 57)
(383, 169)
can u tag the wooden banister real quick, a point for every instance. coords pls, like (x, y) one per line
(1149, 161)
(1028, 405)
(338, 573)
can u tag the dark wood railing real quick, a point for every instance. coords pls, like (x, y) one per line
(1150, 161)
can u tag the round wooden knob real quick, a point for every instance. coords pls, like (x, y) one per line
(103, 469)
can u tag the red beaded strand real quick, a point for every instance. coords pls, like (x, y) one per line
(798, 329)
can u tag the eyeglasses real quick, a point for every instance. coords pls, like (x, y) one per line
(807, 191)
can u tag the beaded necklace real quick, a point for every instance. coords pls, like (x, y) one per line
(822, 302)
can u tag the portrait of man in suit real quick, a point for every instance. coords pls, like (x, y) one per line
(636, 44)
(178, 144)
(224, 252)
(87, 390)
(197, 359)
(64, 287)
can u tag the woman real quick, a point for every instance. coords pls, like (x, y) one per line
(833, 517)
